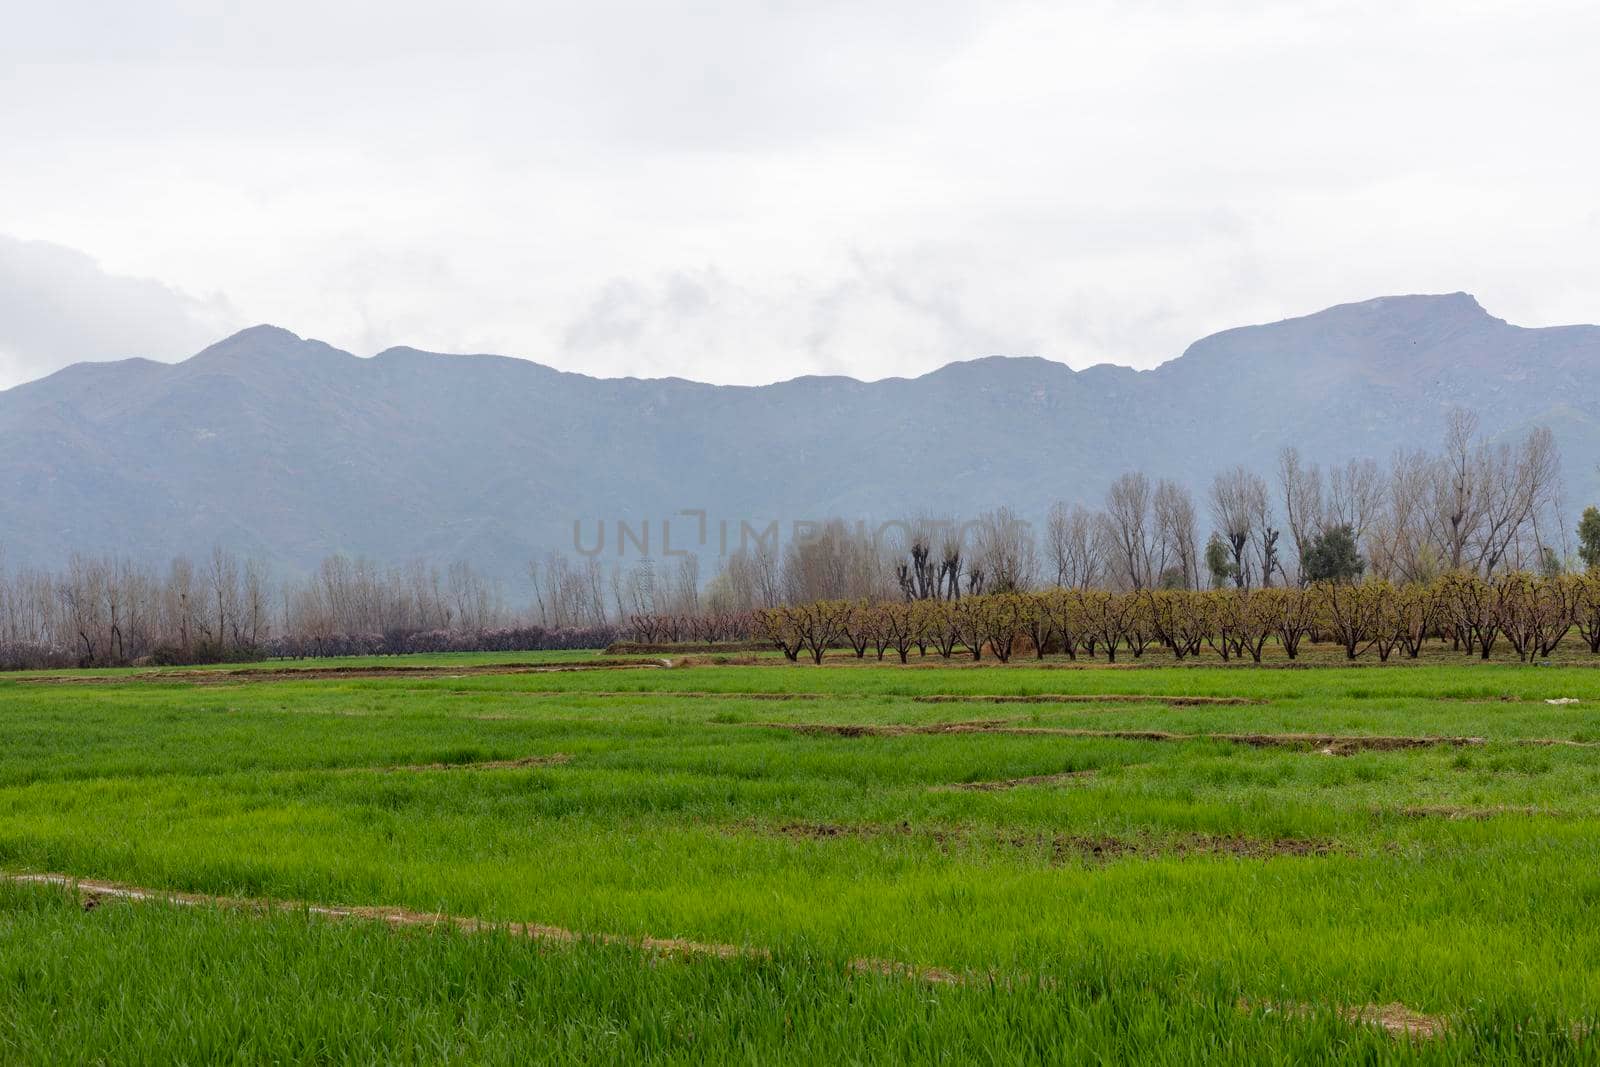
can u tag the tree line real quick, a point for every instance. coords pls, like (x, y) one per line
(109, 611)
(1471, 614)
(1475, 506)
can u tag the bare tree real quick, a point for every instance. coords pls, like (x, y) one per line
(1233, 510)
(1457, 501)
(949, 576)
(1074, 546)
(1130, 526)
(1178, 531)
(256, 608)
(916, 571)
(1517, 487)
(836, 561)
(1265, 533)
(1302, 500)
(685, 594)
(1355, 497)
(568, 595)
(1006, 552)
(1399, 546)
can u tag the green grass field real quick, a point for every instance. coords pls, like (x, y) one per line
(1156, 898)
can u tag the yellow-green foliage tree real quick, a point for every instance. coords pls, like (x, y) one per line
(1533, 613)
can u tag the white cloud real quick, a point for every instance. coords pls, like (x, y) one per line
(57, 306)
(747, 192)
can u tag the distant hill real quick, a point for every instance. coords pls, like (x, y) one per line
(290, 449)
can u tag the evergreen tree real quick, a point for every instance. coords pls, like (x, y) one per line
(1219, 561)
(1332, 557)
(1589, 537)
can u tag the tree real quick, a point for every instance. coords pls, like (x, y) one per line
(1218, 562)
(949, 575)
(1332, 557)
(1175, 525)
(1131, 531)
(1266, 534)
(1401, 547)
(1458, 503)
(1005, 552)
(1355, 496)
(835, 560)
(915, 575)
(1073, 545)
(1589, 538)
(1238, 504)
(1302, 498)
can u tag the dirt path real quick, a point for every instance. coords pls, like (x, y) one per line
(1087, 698)
(1395, 1019)
(691, 694)
(553, 760)
(92, 892)
(1327, 744)
(1059, 848)
(1064, 778)
(1453, 812)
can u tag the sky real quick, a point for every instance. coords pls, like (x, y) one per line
(748, 192)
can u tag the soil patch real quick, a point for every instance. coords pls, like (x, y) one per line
(1060, 848)
(553, 760)
(1449, 811)
(1086, 698)
(691, 694)
(1393, 1018)
(1064, 778)
(1327, 744)
(636, 648)
(888, 729)
(93, 893)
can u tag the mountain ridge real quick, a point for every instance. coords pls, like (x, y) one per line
(289, 448)
(287, 338)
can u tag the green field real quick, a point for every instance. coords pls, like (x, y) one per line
(1160, 898)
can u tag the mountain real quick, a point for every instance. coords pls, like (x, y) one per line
(289, 449)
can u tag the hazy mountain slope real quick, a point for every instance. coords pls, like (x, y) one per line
(292, 449)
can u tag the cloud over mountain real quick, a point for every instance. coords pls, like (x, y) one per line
(58, 306)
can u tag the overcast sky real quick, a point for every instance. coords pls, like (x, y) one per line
(747, 192)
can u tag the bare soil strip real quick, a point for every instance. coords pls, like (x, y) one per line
(552, 760)
(1086, 698)
(1557, 742)
(1328, 744)
(692, 694)
(971, 726)
(838, 659)
(1395, 1019)
(1449, 811)
(1064, 778)
(665, 648)
(93, 892)
(1060, 848)
(309, 674)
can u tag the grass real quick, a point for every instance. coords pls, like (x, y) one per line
(1127, 913)
(78, 987)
